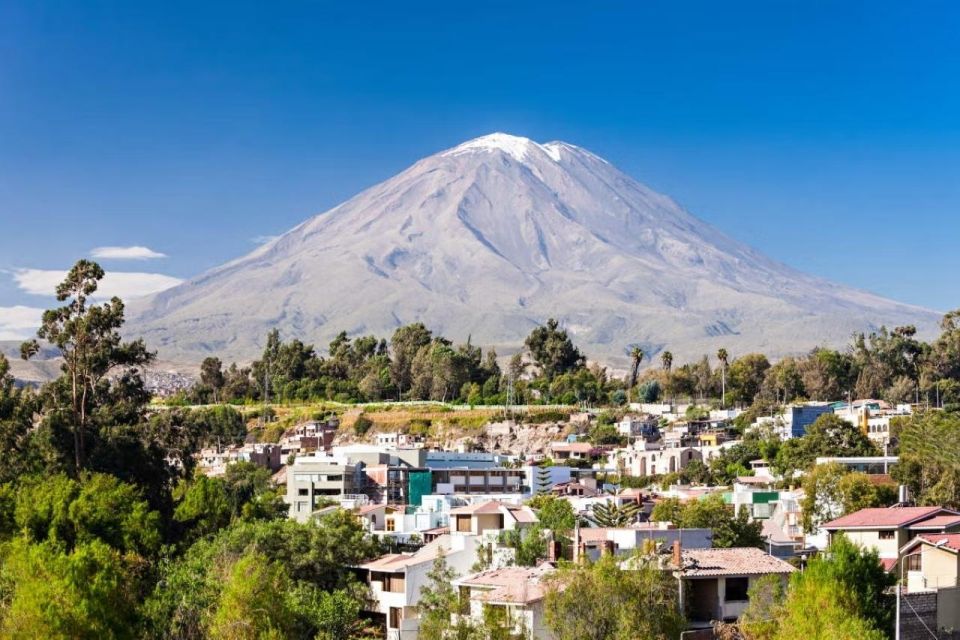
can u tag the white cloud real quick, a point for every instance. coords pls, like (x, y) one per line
(126, 253)
(263, 239)
(19, 322)
(126, 285)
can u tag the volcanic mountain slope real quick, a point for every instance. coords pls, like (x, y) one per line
(491, 238)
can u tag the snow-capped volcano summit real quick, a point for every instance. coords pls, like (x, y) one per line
(493, 236)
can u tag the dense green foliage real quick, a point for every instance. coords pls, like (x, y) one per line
(601, 601)
(930, 458)
(414, 364)
(106, 531)
(729, 529)
(841, 595)
(832, 490)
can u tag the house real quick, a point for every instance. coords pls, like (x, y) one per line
(576, 489)
(795, 419)
(464, 480)
(395, 581)
(309, 437)
(932, 567)
(516, 592)
(574, 451)
(634, 427)
(374, 516)
(314, 480)
(889, 529)
(714, 583)
(649, 536)
(490, 516)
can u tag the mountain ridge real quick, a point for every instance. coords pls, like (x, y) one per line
(491, 237)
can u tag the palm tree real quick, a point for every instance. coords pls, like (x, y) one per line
(723, 357)
(666, 359)
(636, 355)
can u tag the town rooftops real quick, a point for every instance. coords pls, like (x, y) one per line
(395, 562)
(511, 585)
(745, 561)
(948, 541)
(573, 447)
(518, 513)
(370, 508)
(937, 523)
(887, 518)
(491, 506)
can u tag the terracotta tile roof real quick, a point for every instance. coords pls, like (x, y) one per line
(573, 447)
(946, 521)
(732, 562)
(511, 585)
(436, 531)
(884, 517)
(949, 541)
(594, 534)
(369, 508)
(491, 506)
(394, 562)
(888, 564)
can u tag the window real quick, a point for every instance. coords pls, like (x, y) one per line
(913, 562)
(303, 492)
(391, 525)
(886, 535)
(394, 583)
(736, 590)
(395, 617)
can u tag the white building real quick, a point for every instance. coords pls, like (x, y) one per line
(517, 592)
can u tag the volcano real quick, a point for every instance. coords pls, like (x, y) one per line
(492, 237)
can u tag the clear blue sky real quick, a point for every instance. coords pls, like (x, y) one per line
(824, 134)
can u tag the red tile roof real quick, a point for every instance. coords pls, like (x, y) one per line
(884, 518)
(511, 585)
(573, 447)
(946, 521)
(732, 562)
(950, 541)
(491, 506)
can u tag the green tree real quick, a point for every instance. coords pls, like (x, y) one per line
(89, 593)
(88, 339)
(316, 557)
(601, 601)
(405, 344)
(98, 507)
(554, 513)
(204, 505)
(16, 434)
(843, 594)
(930, 458)
(746, 375)
(254, 603)
(724, 359)
(553, 351)
(729, 529)
(211, 376)
(636, 358)
(829, 435)
(610, 514)
(668, 510)
(438, 602)
(529, 544)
